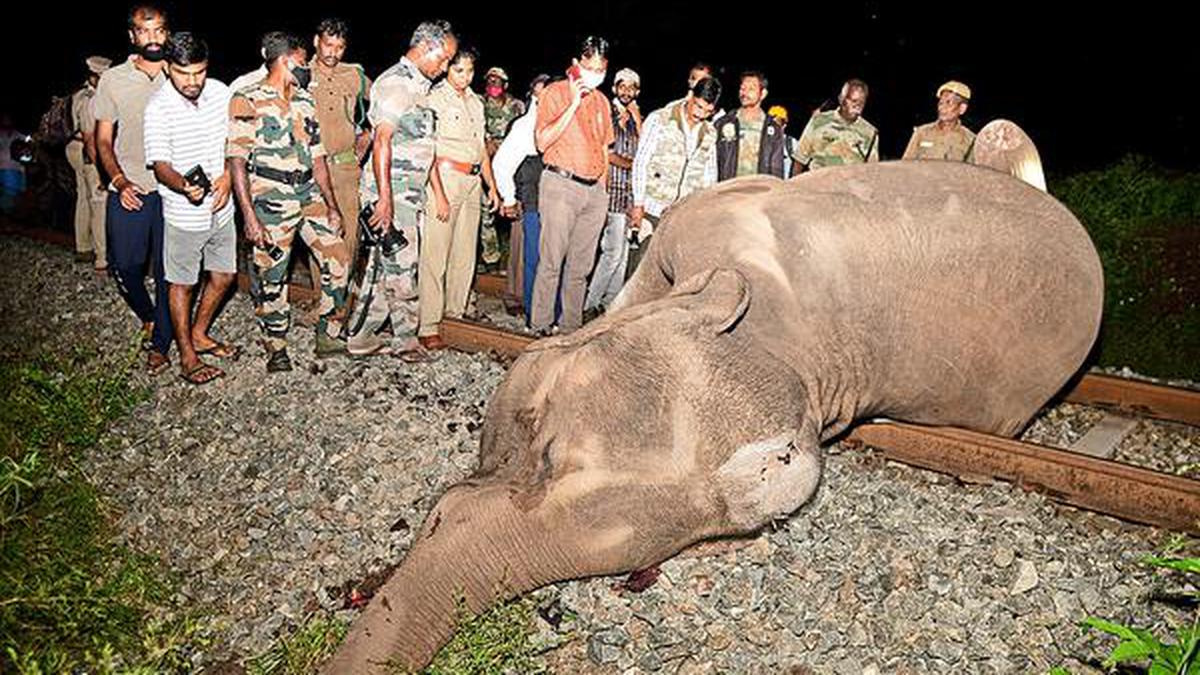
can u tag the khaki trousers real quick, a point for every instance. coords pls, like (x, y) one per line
(572, 217)
(447, 266)
(89, 205)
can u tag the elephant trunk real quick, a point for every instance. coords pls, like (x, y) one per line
(476, 545)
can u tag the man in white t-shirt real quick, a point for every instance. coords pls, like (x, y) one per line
(186, 125)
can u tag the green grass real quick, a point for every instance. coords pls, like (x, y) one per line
(500, 640)
(71, 597)
(303, 651)
(1145, 223)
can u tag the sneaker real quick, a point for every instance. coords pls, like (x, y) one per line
(278, 362)
(329, 347)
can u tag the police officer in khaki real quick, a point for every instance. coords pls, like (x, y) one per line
(81, 154)
(342, 92)
(948, 138)
(451, 219)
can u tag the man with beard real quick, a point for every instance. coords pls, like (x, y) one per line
(134, 219)
(341, 91)
(750, 142)
(609, 275)
(282, 184)
(842, 135)
(186, 126)
(403, 144)
(90, 244)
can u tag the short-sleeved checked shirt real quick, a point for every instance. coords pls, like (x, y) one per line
(620, 181)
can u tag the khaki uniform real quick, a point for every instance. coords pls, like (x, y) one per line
(829, 140)
(388, 288)
(448, 248)
(89, 194)
(341, 94)
(929, 141)
(280, 140)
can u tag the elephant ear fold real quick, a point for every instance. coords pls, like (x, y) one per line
(719, 297)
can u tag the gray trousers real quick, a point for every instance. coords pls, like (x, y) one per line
(572, 217)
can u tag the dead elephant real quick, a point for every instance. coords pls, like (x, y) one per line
(765, 319)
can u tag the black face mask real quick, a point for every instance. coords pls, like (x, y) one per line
(152, 52)
(303, 76)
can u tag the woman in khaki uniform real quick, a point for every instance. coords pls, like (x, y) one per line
(450, 225)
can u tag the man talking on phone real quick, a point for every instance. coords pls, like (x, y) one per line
(574, 130)
(185, 131)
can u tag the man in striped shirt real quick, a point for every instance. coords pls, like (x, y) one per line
(186, 126)
(609, 274)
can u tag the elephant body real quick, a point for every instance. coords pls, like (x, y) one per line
(766, 317)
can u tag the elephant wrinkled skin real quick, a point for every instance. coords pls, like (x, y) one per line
(766, 317)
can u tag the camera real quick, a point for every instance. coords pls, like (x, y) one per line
(390, 242)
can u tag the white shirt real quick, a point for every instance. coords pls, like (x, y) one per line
(518, 145)
(185, 134)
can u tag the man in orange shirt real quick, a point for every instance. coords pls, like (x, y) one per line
(573, 132)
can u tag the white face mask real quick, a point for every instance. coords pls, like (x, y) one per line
(592, 79)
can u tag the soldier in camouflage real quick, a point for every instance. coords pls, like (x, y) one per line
(278, 164)
(840, 136)
(402, 149)
(499, 111)
(947, 138)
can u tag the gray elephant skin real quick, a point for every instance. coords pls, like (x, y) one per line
(766, 317)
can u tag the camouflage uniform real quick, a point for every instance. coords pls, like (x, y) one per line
(388, 288)
(929, 141)
(498, 117)
(276, 135)
(828, 140)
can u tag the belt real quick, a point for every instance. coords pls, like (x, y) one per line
(293, 178)
(461, 167)
(570, 176)
(343, 157)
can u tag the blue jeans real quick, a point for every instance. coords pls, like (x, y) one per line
(12, 184)
(531, 234)
(135, 243)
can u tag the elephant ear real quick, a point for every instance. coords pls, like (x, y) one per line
(719, 297)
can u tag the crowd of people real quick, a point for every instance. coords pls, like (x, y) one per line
(394, 185)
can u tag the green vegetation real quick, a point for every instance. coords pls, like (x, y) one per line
(71, 598)
(1178, 654)
(303, 651)
(500, 640)
(1146, 225)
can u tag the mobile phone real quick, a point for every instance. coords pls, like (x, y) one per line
(197, 177)
(573, 73)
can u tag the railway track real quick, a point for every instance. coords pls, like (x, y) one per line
(1097, 484)
(1093, 483)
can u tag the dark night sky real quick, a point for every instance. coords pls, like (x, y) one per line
(1088, 84)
